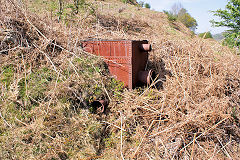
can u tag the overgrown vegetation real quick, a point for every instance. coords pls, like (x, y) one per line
(48, 86)
(68, 10)
(181, 14)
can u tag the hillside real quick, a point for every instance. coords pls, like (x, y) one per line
(48, 85)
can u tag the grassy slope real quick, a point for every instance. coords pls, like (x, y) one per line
(192, 111)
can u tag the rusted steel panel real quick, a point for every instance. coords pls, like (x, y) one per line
(125, 58)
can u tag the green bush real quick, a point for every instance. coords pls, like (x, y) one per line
(147, 5)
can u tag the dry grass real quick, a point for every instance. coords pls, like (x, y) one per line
(191, 111)
(196, 112)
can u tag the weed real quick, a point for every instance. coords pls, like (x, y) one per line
(111, 141)
(6, 77)
(116, 88)
(32, 89)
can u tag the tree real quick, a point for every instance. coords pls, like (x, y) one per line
(187, 19)
(181, 14)
(230, 17)
(176, 8)
(147, 5)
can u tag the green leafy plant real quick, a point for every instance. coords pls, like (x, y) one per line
(230, 18)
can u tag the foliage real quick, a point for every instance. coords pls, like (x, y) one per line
(181, 14)
(187, 19)
(133, 2)
(230, 19)
(7, 75)
(231, 38)
(171, 17)
(205, 35)
(147, 5)
(33, 87)
(69, 10)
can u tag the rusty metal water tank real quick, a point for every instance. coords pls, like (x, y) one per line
(126, 59)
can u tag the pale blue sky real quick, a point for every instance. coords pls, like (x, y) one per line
(199, 9)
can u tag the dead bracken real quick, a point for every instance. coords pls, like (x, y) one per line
(51, 90)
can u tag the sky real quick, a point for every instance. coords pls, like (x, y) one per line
(199, 9)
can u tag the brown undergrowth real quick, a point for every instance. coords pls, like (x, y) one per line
(48, 84)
